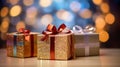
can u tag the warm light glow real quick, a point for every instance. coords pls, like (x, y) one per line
(19, 25)
(13, 2)
(97, 2)
(109, 18)
(100, 23)
(104, 7)
(45, 3)
(103, 36)
(96, 15)
(64, 15)
(75, 6)
(15, 10)
(99, 30)
(46, 19)
(4, 11)
(28, 2)
(4, 25)
(86, 13)
(30, 21)
(31, 12)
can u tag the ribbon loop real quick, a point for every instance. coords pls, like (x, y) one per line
(23, 31)
(52, 30)
(87, 29)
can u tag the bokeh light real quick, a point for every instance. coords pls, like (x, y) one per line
(100, 23)
(103, 36)
(104, 7)
(110, 18)
(4, 25)
(46, 19)
(86, 13)
(65, 15)
(45, 3)
(28, 2)
(19, 25)
(30, 21)
(15, 10)
(13, 2)
(4, 11)
(31, 12)
(37, 14)
(97, 2)
(75, 6)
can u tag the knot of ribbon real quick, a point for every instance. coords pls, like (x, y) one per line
(23, 31)
(52, 30)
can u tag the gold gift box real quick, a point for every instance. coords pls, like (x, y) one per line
(20, 45)
(63, 47)
(87, 44)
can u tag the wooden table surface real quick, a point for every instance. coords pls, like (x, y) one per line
(107, 58)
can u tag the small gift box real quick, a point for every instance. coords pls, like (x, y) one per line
(22, 44)
(53, 44)
(86, 41)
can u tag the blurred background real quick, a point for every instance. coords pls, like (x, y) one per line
(35, 15)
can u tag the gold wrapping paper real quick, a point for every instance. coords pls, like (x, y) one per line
(87, 44)
(62, 47)
(22, 45)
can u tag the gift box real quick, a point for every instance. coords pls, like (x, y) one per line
(55, 46)
(86, 43)
(22, 45)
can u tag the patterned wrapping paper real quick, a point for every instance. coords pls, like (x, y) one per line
(63, 47)
(87, 44)
(20, 45)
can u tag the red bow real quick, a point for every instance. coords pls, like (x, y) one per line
(24, 31)
(52, 30)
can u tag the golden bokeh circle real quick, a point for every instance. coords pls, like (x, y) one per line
(4, 11)
(15, 10)
(13, 2)
(104, 7)
(97, 2)
(4, 25)
(31, 12)
(103, 36)
(45, 3)
(28, 2)
(46, 19)
(86, 13)
(110, 18)
(100, 23)
(19, 25)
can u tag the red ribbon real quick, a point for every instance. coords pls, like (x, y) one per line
(52, 30)
(31, 38)
(23, 31)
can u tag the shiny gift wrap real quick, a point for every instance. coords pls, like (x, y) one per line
(20, 45)
(62, 49)
(86, 41)
(87, 44)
